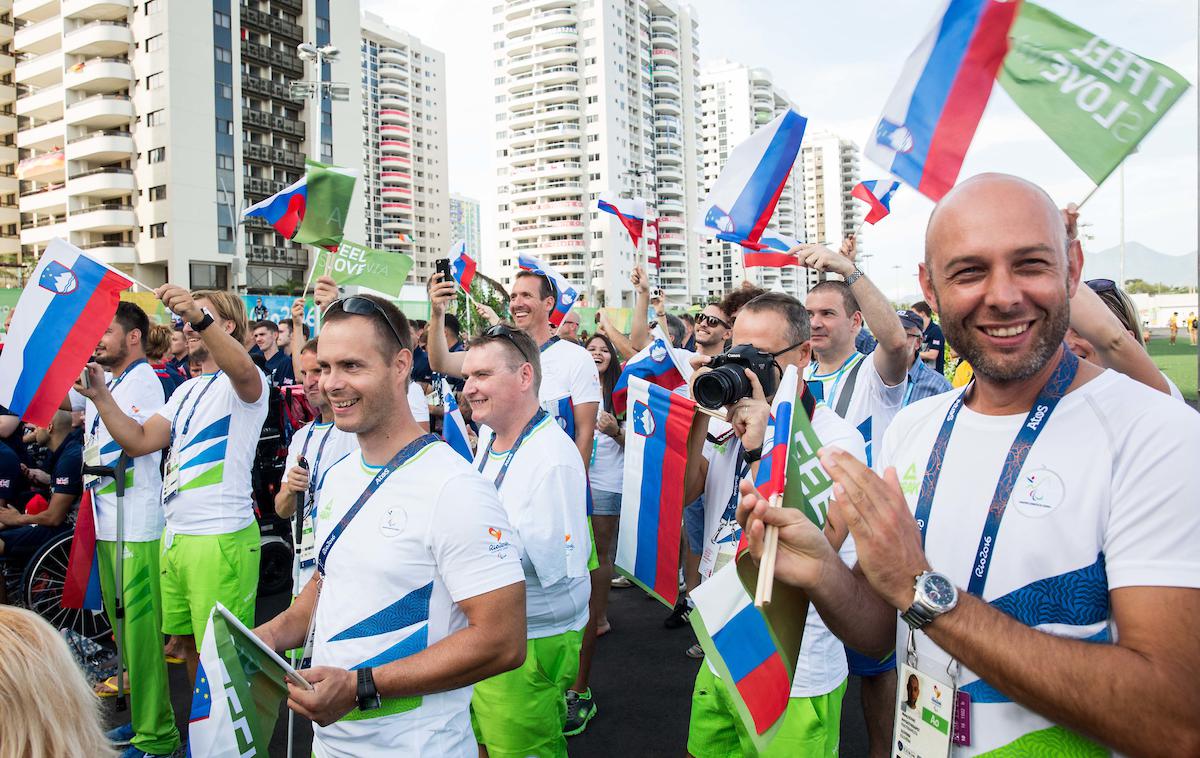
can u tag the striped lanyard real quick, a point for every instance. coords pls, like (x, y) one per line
(188, 421)
(1039, 416)
(528, 430)
(830, 398)
(112, 386)
(316, 468)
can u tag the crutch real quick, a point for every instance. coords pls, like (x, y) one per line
(117, 472)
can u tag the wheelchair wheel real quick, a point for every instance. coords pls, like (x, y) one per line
(42, 591)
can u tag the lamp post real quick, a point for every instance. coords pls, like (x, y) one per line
(318, 90)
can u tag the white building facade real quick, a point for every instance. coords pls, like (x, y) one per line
(594, 96)
(405, 184)
(830, 172)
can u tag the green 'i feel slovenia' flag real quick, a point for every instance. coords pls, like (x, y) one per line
(379, 270)
(1095, 99)
(329, 191)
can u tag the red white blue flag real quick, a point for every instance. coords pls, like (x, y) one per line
(630, 212)
(565, 294)
(657, 363)
(283, 210)
(931, 116)
(876, 193)
(652, 512)
(462, 266)
(69, 301)
(454, 429)
(773, 253)
(743, 199)
(772, 468)
(81, 588)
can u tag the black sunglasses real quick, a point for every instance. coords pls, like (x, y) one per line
(361, 306)
(506, 332)
(1101, 285)
(704, 318)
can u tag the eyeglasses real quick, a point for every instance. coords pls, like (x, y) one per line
(1101, 285)
(361, 306)
(787, 349)
(712, 321)
(506, 332)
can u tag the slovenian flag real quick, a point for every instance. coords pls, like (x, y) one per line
(565, 294)
(772, 469)
(68, 302)
(651, 515)
(630, 212)
(876, 193)
(930, 118)
(283, 210)
(657, 363)
(743, 198)
(81, 588)
(773, 253)
(462, 266)
(653, 246)
(454, 429)
(313, 209)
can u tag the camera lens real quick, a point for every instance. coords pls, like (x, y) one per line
(721, 386)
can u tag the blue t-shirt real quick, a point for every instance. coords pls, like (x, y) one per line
(932, 338)
(280, 370)
(10, 474)
(66, 466)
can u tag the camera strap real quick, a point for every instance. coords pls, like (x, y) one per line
(844, 397)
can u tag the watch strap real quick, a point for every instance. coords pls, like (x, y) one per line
(854, 277)
(366, 694)
(203, 323)
(750, 456)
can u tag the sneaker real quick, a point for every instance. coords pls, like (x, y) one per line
(679, 614)
(121, 736)
(621, 582)
(695, 651)
(580, 710)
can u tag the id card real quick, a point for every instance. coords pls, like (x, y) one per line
(924, 710)
(91, 457)
(170, 477)
(308, 542)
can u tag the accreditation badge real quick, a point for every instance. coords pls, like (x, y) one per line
(925, 705)
(308, 542)
(170, 477)
(91, 457)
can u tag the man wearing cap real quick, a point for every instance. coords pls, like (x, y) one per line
(923, 381)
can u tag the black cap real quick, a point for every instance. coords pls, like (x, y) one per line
(911, 319)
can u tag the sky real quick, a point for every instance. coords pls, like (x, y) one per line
(838, 62)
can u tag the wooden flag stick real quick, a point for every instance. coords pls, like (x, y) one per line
(710, 412)
(1087, 197)
(766, 567)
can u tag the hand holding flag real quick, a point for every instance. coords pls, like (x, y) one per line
(876, 193)
(462, 266)
(657, 363)
(630, 212)
(312, 210)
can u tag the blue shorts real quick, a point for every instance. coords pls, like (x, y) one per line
(693, 525)
(863, 665)
(606, 503)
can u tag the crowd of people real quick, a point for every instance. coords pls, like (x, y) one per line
(450, 606)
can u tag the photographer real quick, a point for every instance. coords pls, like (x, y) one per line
(744, 380)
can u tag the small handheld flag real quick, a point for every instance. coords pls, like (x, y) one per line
(381, 270)
(313, 209)
(876, 193)
(773, 251)
(657, 363)
(454, 429)
(462, 266)
(630, 212)
(284, 209)
(81, 588)
(565, 294)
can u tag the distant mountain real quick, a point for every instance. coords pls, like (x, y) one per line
(1142, 263)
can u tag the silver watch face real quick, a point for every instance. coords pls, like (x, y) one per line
(938, 590)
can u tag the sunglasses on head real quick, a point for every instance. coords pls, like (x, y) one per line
(361, 306)
(711, 321)
(506, 332)
(1101, 285)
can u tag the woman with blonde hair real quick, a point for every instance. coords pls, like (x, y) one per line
(47, 709)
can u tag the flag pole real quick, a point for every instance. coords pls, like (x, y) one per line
(1087, 197)
(766, 568)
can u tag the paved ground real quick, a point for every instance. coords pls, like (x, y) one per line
(642, 683)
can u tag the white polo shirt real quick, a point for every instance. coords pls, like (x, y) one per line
(872, 404)
(569, 379)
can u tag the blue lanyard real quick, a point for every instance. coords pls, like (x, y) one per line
(533, 422)
(112, 387)
(396, 462)
(188, 421)
(831, 397)
(549, 343)
(908, 392)
(1035, 422)
(316, 467)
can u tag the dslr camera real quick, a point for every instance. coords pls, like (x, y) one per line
(727, 382)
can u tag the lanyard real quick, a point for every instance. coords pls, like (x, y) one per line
(188, 421)
(1035, 422)
(316, 467)
(549, 343)
(533, 422)
(112, 386)
(396, 462)
(908, 392)
(838, 376)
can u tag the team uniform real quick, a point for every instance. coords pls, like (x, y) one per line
(417, 404)
(322, 445)
(1100, 503)
(544, 491)
(811, 725)
(433, 535)
(569, 378)
(208, 503)
(139, 393)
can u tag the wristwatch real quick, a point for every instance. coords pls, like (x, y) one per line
(367, 695)
(854, 277)
(935, 595)
(203, 323)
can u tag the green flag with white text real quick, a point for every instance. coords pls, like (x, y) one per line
(1095, 99)
(356, 264)
(329, 190)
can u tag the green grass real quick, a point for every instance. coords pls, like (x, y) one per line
(1178, 361)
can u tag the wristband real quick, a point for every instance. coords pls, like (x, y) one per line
(750, 456)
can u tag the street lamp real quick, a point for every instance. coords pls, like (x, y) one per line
(318, 90)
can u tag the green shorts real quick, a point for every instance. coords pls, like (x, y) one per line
(593, 557)
(200, 569)
(520, 713)
(811, 726)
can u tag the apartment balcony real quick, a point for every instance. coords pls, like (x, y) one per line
(34, 10)
(546, 189)
(394, 178)
(40, 70)
(8, 120)
(669, 173)
(535, 210)
(563, 247)
(665, 40)
(96, 9)
(548, 114)
(42, 232)
(274, 155)
(392, 71)
(669, 138)
(10, 214)
(393, 116)
(394, 101)
(101, 147)
(102, 183)
(556, 93)
(395, 147)
(669, 190)
(665, 70)
(100, 75)
(518, 8)
(395, 162)
(43, 105)
(664, 87)
(37, 38)
(663, 24)
(100, 112)
(547, 75)
(664, 55)
(671, 157)
(535, 230)
(397, 225)
(270, 121)
(670, 222)
(392, 55)
(9, 184)
(548, 170)
(8, 63)
(392, 86)
(396, 193)
(561, 15)
(7, 31)
(548, 56)
(112, 253)
(266, 22)
(551, 151)
(99, 38)
(532, 135)
(49, 199)
(668, 105)
(102, 218)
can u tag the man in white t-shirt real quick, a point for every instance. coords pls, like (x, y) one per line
(320, 444)
(212, 423)
(420, 592)
(133, 387)
(543, 487)
(866, 390)
(1037, 530)
(776, 324)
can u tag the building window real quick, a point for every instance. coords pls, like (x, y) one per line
(223, 54)
(225, 162)
(224, 126)
(209, 276)
(158, 231)
(156, 118)
(151, 7)
(154, 81)
(154, 43)
(158, 192)
(156, 155)
(221, 19)
(225, 233)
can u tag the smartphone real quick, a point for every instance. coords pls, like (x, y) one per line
(443, 268)
(84, 380)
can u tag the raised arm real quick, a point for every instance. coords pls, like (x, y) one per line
(441, 359)
(229, 354)
(134, 438)
(639, 335)
(618, 338)
(297, 336)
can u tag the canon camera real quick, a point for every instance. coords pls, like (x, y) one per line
(727, 382)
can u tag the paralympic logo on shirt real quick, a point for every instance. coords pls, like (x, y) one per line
(501, 546)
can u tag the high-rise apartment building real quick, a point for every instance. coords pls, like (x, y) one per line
(10, 215)
(404, 145)
(464, 223)
(737, 100)
(830, 173)
(144, 127)
(593, 96)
